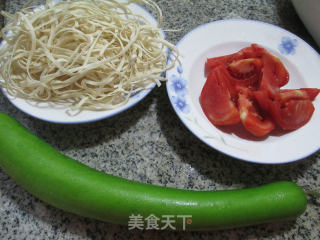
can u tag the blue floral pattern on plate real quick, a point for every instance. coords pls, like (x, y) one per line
(178, 86)
(288, 46)
(181, 104)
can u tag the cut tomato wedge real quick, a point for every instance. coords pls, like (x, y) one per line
(291, 115)
(216, 100)
(290, 109)
(251, 118)
(276, 75)
(285, 95)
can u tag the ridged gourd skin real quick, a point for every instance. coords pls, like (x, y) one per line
(74, 187)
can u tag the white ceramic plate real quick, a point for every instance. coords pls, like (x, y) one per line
(228, 36)
(57, 113)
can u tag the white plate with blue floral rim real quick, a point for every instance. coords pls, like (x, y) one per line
(186, 80)
(57, 113)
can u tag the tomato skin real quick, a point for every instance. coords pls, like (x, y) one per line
(251, 119)
(216, 101)
(291, 115)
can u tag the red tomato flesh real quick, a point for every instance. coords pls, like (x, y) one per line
(280, 72)
(253, 51)
(252, 119)
(293, 114)
(245, 87)
(269, 82)
(298, 94)
(216, 100)
(245, 67)
(312, 92)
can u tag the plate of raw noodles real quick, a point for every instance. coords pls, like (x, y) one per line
(79, 61)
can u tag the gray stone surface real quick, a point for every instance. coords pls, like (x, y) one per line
(148, 143)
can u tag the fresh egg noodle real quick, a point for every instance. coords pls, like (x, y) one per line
(90, 55)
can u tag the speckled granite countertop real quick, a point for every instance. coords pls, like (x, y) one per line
(148, 143)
